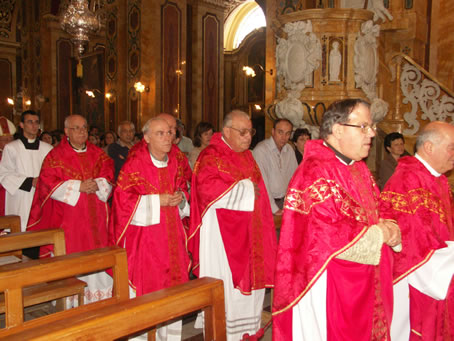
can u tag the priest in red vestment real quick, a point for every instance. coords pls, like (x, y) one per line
(419, 197)
(232, 234)
(146, 219)
(184, 170)
(333, 274)
(7, 130)
(72, 192)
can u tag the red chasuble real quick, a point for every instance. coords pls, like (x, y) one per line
(249, 237)
(328, 208)
(184, 170)
(157, 256)
(86, 223)
(423, 206)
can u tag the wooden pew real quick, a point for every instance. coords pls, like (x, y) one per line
(138, 314)
(47, 291)
(15, 277)
(11, 223)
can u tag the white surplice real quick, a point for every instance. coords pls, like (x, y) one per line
(18, 164)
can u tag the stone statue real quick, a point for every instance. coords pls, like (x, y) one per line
(365, 59)
(335, 61)
(376, 6)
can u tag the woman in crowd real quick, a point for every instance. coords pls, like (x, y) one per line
(395, 148)
(93, 139)
(202, 136)
(109, 138)
(46, 137)
(300, 136)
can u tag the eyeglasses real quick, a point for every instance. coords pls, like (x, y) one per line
(244, 131)
(80, 129)
(364, 127)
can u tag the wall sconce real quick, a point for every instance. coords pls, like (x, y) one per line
(140, 87)
(10, 101)
(28, 103)
(110, 96)
(250, 72)
(257, 107)
(90, 93)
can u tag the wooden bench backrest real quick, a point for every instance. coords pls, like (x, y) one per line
(14, 277)
(23, 240)
(11, 222)
(141, 313)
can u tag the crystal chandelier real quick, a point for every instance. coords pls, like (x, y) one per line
(79, 22)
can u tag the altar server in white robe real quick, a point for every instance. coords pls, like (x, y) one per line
(20, 166)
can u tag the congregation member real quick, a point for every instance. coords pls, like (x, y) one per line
(146, 217)
(232, 235)
(419, 198)
(202, 136)
(72, 192)
(333, 273)
(277, 162)
(108, 138)
(185, 144)
(20, 166)
(394, 144)
(46, 137)
(299, 139)
(7, 130)
(119, 150)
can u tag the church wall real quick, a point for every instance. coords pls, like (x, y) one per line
(442, 42)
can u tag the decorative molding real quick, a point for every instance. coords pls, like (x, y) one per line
(298, 56)
(423, 95)
(6, 17)
(171, 21)
(134, 48)
(211, 67)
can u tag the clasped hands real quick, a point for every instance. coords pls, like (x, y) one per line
(171, 199)
(88, 186)
(391, 232)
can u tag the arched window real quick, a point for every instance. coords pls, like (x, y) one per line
(242, 21)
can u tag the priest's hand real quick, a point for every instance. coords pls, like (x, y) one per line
(391, 232)
(34, 181)
(279, 212)
(88, 186)
(170, 199)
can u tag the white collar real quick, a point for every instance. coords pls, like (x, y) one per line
(429, 167)
(222, 138)
(159, 163)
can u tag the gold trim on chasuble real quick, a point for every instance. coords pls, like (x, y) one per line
(413, 200)
(134, 179)
(320, 191)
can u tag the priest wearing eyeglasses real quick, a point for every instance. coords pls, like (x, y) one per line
(71, 193)
(149, 202)
(232, 235)
(333, 274)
